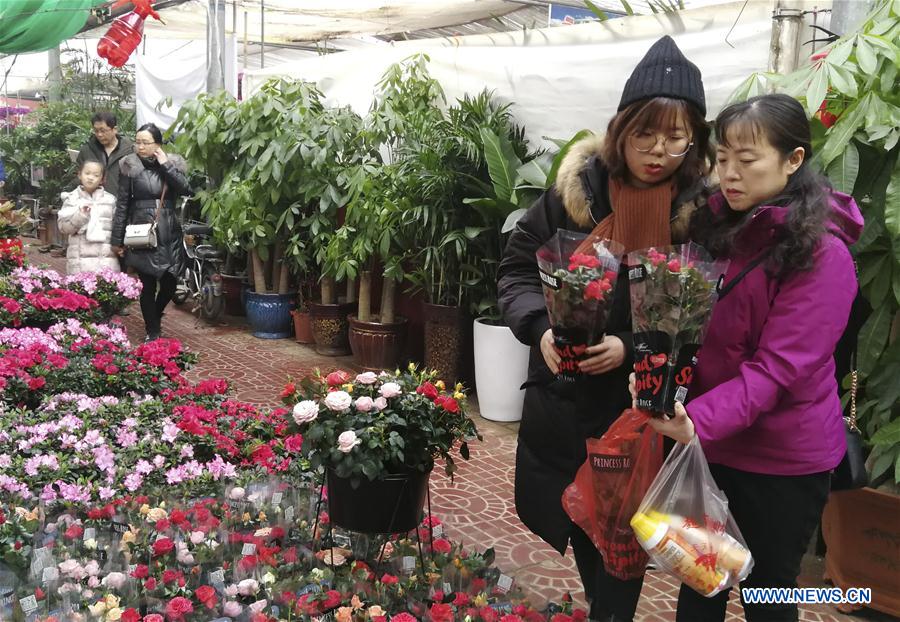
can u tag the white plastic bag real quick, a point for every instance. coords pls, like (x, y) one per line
(684, 525)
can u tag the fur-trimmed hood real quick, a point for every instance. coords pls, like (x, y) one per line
(131, 164)
(577, 183)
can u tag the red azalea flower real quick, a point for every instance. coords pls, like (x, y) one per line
(178, 607)
(130, 615)
(162, 524)
(441, 612)
(36, 383)
(162, 546)
(206, 595)
(510, 618)
(293, 443)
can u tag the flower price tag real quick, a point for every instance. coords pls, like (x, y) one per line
(409, 563)
(342, 540)
(504, 583)
(119, 528)
(50, 574)
(437, 531)
(43, 557)
(448, 589)
(289, 514)
(90, 534)
(249, 549)
(217, 577)
(131, 569)
(276, 498)
(28, 604)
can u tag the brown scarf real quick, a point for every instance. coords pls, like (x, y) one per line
(640, 217)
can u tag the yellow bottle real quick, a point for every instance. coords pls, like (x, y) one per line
(731, 556)
(677, 555)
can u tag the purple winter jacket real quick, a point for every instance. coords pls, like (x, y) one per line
(765, 398)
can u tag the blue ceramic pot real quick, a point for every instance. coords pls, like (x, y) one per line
(270, 314)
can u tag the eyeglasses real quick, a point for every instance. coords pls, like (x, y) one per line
(675, 146)
(141, 143)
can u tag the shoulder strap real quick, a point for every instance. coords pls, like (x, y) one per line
(724, 288)
(159, 204)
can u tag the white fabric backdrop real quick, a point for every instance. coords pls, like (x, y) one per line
(560, 80)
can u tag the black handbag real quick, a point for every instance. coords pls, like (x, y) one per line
(851, 472)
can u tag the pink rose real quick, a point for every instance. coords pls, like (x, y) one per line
(390, 389)
(232, 609)
(306, 411)
(380, 403)
(369, 377)
(347, 441)
(364, 404)
(338, 401)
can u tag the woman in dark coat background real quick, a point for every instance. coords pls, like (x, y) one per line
(145, 176)
(636, 186)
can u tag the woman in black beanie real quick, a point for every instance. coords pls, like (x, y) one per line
(636, 186)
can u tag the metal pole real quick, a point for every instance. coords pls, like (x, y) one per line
(245, 41)
(262, 33)
(784, 51)
(55, 77)
(215, 39)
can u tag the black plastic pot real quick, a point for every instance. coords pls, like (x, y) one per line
(382, 506)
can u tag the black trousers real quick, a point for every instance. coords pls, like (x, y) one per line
(777, 516)
(610, 598)
(153, 303)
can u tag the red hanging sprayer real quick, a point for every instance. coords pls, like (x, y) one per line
(126, 32)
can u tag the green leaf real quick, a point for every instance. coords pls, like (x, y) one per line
(564, 150)
(843, 80)
(840, 53)
(601, 15)
(865, 56)
(512, 219)
(818, 87)
(881, 464)
(872, 339)
(627, 7)
(534, 173)
(502, 163)
(892, 203)
(843, 171)
(881, 284)
(888, 435)
(842, 131)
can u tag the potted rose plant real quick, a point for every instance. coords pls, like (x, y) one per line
(376, 436)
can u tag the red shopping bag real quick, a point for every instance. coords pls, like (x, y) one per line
(610, 486)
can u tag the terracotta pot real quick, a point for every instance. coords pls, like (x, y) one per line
(232, 287)
(303, 332)
(330, 327)
(862, 533)
(448, 342)
(377, 346)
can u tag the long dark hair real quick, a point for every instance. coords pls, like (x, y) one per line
(659, 113)
(780, 119)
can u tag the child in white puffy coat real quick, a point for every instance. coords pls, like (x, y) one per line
(86, 217)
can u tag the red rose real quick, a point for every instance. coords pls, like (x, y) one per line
(130, 615)
(450, 405)
(440, 612)
(595, 289)
(293, 443)
(428, 390)
(74, 531)
(442, 545)
(561, 617)
(153, 617)
(487, 614)
(178, 607)
(162, 546)
(337, 378)
(289, 390)
(580, 260)
(177, 517)
(510, 618)
(150, 584)
(579, 615)
(461, 600)
(141, 572)
(171, 576)
(389, 579)
(206, 595)
(403, 617)
(332, 599)
(674, 266)
(162, 524)
(39, 593)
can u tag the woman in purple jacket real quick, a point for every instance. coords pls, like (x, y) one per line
(765, 402)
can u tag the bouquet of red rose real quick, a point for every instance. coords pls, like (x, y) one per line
(673, 291)
(578, 289)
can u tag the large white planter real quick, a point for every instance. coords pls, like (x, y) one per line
(501, 366)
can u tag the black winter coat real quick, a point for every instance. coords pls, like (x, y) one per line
(140, 186)
(558, 417)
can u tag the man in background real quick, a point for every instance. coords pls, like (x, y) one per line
(107, 147)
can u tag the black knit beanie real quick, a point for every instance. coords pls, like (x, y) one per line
(665, 72)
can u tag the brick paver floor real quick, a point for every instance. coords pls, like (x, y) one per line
(477, 508)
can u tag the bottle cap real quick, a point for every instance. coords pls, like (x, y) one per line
(648, 531)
